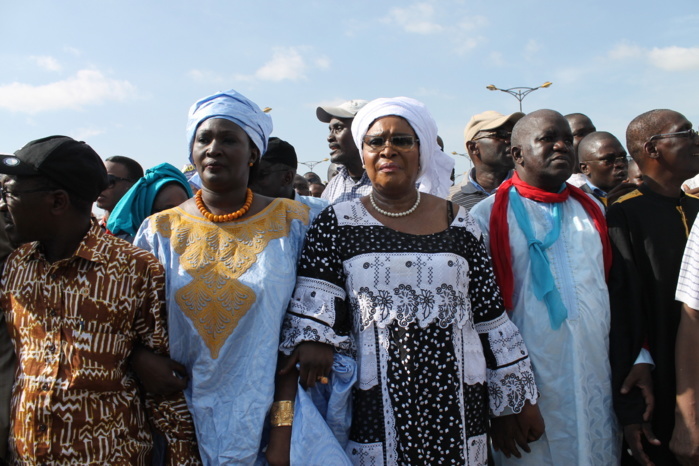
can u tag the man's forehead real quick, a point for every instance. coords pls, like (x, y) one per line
(670, 121)
(549, 121)
(579, 121)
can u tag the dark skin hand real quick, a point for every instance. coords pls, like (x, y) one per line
(158, 374)
(315, 359)
(639, 376)
(517, 429)
(279, 447)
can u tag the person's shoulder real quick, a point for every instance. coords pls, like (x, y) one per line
(483, 207)
(113, 250)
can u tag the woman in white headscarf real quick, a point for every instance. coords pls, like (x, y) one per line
(401, 280)
(230, 260)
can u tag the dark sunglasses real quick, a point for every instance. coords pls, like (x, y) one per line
(377, 143)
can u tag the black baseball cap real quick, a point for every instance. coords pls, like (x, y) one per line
(72, 165)
(280, 151)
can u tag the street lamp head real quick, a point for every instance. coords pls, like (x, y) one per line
(491, 87)
(546, 84)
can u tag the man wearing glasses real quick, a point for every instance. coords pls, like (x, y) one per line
(77, 301)
(487, 139)
(604, 163)
(648, 229)
(122, 173)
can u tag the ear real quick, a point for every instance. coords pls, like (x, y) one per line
(472, 149)
(650, 150)
(254, 154)
(289, 177)
(60, 202)
(516, 152)
(584, 168)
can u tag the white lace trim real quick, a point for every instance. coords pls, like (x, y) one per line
(509, 387)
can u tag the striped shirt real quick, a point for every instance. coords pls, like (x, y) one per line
(343, 188)
(688, 282)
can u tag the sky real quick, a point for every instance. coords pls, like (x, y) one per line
(121, 75)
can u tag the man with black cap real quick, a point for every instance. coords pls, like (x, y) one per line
(351, 181)
(487, 139)
(276, 173)
(77, 301)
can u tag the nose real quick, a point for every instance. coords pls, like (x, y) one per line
(214, 147)
(562, 146)
(331, 136)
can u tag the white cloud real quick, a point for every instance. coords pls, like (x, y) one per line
(205, 76)
(286, 64)
(416, 18)
(323, 63)
(85, 134)
(671, 58)
(46, 62)
(73, 51)
(675, 58)
(87, 87)
(624, 51)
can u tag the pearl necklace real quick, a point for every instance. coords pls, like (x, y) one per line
(394, 214)
(223, 218)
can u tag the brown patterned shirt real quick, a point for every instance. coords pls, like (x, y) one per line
(73, 324)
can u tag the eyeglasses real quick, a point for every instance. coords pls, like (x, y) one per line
(112, 180)
(610, 162)
(377, 143)
(689, 133)
(502, 135)
(5, 192)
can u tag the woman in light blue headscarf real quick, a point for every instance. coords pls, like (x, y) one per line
(162, 187)
(230, 263)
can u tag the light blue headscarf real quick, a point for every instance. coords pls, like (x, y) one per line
(137, 203)
(233, 106)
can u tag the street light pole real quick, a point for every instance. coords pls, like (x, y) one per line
(518, 93)
(313, 164)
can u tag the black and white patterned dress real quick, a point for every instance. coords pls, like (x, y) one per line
(436, 352)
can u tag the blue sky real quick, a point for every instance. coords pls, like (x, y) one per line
(121, 75)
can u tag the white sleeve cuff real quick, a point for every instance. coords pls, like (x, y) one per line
(644, 357)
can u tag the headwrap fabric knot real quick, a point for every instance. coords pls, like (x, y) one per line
(233, 106)
(500, 237)
(435, 166)
(137, 203)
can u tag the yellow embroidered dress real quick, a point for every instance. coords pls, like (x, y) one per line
(228, 286)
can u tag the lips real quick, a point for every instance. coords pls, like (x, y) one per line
(389, 167)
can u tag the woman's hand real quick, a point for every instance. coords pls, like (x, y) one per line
(315, 360)
(278, 450)
(159, 375)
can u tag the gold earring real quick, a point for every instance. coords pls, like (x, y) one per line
(250, 164)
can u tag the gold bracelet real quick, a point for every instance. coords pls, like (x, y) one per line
(282, 413)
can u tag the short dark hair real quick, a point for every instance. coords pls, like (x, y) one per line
(133, 168)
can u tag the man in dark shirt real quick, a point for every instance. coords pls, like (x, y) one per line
(649, 228)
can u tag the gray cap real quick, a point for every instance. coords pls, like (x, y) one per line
(345, 110)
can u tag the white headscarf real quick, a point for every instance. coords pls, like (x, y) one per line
(435, 166)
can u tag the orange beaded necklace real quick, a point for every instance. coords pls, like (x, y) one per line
(223, 218)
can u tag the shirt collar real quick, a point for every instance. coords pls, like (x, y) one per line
(595, 189)
(472, 180)
(88, 249)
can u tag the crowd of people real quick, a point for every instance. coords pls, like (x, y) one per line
(541, 312)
